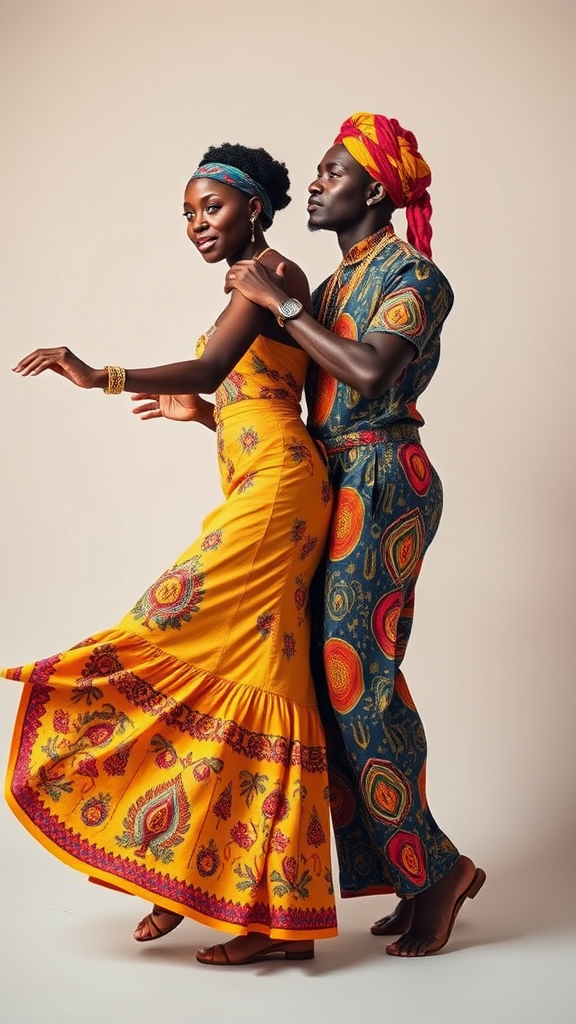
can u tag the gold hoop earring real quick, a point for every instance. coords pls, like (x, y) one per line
(253, 221)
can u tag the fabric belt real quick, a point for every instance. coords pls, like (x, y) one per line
(361, 438)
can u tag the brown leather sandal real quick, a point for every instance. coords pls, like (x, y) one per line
(217, 956)
(469, 893)
(154, 930)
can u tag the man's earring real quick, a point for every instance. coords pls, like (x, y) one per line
(252, 221)
(376, 198)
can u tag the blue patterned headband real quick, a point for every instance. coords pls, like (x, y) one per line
(233, 176)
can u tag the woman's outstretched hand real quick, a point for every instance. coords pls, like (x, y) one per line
(257, 283)
(187, 408)
(62, 361)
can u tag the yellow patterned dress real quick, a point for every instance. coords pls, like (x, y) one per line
(180, 755)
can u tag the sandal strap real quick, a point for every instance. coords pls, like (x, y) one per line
(149, 920)
(162, 910)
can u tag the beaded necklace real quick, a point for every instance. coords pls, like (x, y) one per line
(374, 246)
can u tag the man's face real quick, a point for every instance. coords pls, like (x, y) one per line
(338, 193)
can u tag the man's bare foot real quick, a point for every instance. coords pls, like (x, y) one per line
(398, 921)
(156, 924)
(435, 910)
(247, 949)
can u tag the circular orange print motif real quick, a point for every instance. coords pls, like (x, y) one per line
(386, 791)
(406, 852)
(385, 622)
(345, 326)
(422, 787)
(401, 687)
(172, 599)
(416, 466)
(347, 524)
(344, 675)
(324, 397)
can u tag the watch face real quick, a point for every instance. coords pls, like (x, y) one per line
(290, 308)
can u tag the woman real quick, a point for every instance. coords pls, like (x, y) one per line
(180, 755)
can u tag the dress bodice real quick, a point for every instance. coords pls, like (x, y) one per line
(267, 370)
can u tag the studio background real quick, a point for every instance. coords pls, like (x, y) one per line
(106, 111)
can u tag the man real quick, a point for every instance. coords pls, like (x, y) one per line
(375, 339)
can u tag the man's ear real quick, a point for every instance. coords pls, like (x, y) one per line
(376, 193)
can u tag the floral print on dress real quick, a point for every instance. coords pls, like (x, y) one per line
(252, 784)
(155, 755)
(301, 453)
(244, 834)
(301, 598)
(292, 879)
(174, 597)
(289, 388)
(212, 541)
(247, 482)
(223, 806)
(117, 763)
(95, 811)
(157, 821)
(289, 646)
(208, 860)
(279, 841)
(315, 835)
(308, 547)
(298, 530)
(264, 624)
(249, 440)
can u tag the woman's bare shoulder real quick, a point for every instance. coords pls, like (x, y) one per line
(295, 280)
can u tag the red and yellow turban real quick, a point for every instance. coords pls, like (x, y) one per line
(390, 155)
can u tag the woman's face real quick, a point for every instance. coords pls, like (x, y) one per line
(218, 218)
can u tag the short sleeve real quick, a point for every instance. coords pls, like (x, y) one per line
(414, 303)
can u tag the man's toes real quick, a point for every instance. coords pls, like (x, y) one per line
(418, 948)
(407, 945)
(395, 948)
(413, 945)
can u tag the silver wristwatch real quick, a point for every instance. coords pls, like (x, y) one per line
(288, 310)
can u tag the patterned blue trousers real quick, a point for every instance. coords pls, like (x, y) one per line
(388, 503)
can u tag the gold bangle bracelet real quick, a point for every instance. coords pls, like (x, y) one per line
(116, 380)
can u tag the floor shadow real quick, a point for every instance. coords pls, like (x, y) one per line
(521, 901)
(514, 904)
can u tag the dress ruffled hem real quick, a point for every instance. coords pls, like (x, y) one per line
(138, 770)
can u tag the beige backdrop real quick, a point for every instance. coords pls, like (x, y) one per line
(107, 108)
